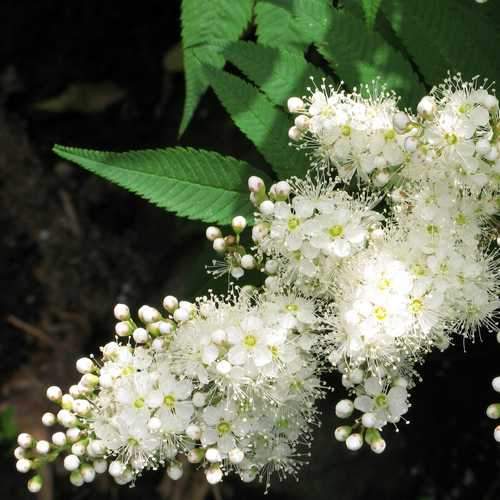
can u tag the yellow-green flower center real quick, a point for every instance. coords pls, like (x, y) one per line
(169, 401)
(461, 219)
(416, 305)
(336, 231)
(345, 130)
(139, 403)
(380, 313)
(432, 229)
(250, 341)
(127, 370)
(274, 351)
(381, 401)
(293, 223)
(282, 423)
(389, 135)
(451, 139)
(292, 308)
(418, 269)
(384, 284)
(223, 427)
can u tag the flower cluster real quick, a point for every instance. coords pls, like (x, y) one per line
(230, 384)
(362, 283)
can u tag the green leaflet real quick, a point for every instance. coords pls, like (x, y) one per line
(205, 32)
(280, 73)
(359, 55)
(277, 26)
(446, 35)
(262, 122)
(370, 8)
(196, 184)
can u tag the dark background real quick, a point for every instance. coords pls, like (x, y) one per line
(72, 245)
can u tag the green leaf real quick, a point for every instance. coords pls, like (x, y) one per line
(370, 8)
(196, 184)
(446, 35)
(262, 122)
(277, 26)
(280, 73)
(206, 29)
(359, 55)
(8, 428)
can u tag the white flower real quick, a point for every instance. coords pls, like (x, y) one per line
(387, 406)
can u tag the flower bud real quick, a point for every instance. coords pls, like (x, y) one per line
(213, 455)
(378, 446)
(84, 365)
(426, 107)
(219, 245)
(213, 474)
(193, 432)
(354, 442)
(48, 419)
(236, 456)
(259, 232)
(400, 121)
(302, 122)
(140, 335)
(181, 315)
(76, 478)
(89, 381)
(174, 471)
(195, 456)
(116, 468)
(19, 453)
(78, 449)
(71, 462)
(256, 184)
(239, 223)
(343, 432)
(123, 329)
(121, 312)
(42, 447)
(87, 472)
(266, 207)
(493, 411)
(100, 466)
(59, 438)
(344, 408)
(490, 101)
(294, 133)
(81, 407)
(248, 262)
(410, 144)
(73, 434)
(369, 420)
(295, 104)
(170, 303)
(248, 475)
(496, 434)
(199, 399)
(54, 393)
(23, 465)
(496, 384)
(271, 266)
(148, 314)
(282, 190)
(35, 484)
(212, 233)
